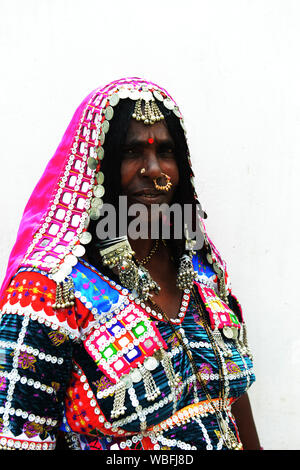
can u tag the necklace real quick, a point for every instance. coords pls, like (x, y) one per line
(147, 258)
(159, 313)
(228, 436)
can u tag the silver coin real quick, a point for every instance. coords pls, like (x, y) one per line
(150, 363)
(217, 269)
(71, 260)
(136, 376)
(235, 332)
(127, 380)
(85, 238)
(100, 152)
(105, 126)
(66, 268)
(147, 95)
(97, 202)
(99, 190)
(158, 95)
(134, 95)
(59, 276)
(101, 138)
(176, 111)
(123, 93)
(109, 112)
(94, 213)
(86, 222)
(92, 163)
(209, 258)
(227, 331)
(114, 99)
(169, 104)
(78, 250)
(100, 177)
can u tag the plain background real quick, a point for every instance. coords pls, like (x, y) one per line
(233, 67)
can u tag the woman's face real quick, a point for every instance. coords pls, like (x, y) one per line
(150, 148)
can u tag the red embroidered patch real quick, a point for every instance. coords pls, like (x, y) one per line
(38, 291)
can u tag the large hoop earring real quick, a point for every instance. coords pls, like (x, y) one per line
(166, 187)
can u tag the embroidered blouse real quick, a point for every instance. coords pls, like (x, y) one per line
(108, 373)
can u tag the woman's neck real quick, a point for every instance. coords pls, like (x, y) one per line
(141, 247)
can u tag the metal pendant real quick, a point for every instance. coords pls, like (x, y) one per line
(109, 112)
(151, 363)
(100, 177)
(99, 191)
(158, 95)
(78, 251)
(92, 163)
(227, 332)
(85, 238)
(100, 152)
(114, 99)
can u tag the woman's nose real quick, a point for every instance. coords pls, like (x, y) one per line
(151, 165)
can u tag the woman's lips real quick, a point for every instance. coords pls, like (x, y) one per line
(148, 196)
(148, 199)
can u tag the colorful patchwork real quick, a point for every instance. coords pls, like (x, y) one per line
(96, 295)
(124, 342)
(219, 313)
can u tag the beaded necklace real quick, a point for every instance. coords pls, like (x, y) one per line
(147, 258)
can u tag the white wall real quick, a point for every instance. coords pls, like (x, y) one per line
(233, 67)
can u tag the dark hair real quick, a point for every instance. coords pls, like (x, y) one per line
(111, 163)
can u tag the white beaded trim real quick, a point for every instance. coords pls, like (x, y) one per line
(13, 443)
(42, 318)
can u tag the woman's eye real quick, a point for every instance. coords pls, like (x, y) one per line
(130, 153)
(169, 152)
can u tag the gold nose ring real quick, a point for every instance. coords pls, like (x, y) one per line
(166, 187)
(143, 171)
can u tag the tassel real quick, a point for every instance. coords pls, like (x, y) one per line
(242, 342)
(58, 297)
(229, 438)
(220, 342)
(64, 294)
(152, 391)
(173, 378)
(118, 407)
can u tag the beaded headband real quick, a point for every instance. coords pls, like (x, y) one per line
(60, 232)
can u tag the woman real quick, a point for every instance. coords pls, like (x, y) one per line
(110, 339)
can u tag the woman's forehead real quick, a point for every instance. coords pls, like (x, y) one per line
(137, 131)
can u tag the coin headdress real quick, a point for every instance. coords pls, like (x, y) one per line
(53, 232)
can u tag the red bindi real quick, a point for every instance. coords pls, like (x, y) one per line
(150, 140)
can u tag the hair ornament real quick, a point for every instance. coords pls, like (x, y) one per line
(147, 111)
